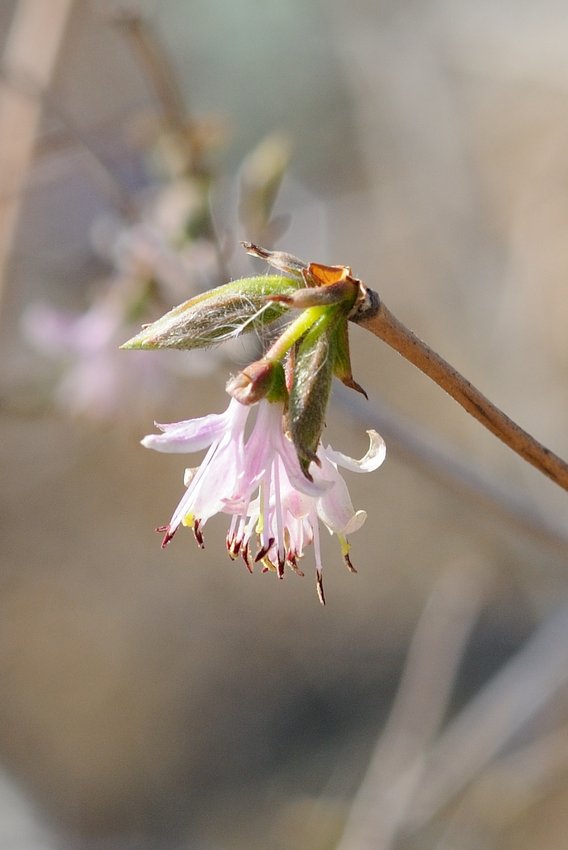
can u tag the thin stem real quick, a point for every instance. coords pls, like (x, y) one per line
(294, 331)
(375, 317)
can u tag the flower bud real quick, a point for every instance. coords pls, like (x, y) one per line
(262, 379)
(217, 315)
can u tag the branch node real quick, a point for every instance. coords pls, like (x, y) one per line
(367, 305)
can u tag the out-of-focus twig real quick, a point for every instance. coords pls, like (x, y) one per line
(513, 697)
(157, 65)
(32, 48)
(424, 450)
(374, 316)
(29, 87)
(513, 783)
(396, 766)
(176, 117)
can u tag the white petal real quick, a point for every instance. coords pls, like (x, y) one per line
(371, 461)
(220, 480)
(355, 523)
(335, 508)
(189, 474)
(294, 471)
(192, 435)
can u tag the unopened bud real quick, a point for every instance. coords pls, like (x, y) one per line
(262, 379)
(218, 315)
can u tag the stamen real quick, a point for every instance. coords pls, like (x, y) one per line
(345, 547)
(168, 534)
(317, 550)
(319, 568)
(264, 495)
(269, 566)
(278, 511)
(319, 586)
(348, 564)
(245, 555)
(231, 531)
(197, 533)
(263, 552)
(291, 560)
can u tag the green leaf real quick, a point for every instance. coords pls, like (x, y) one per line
(342, 363)
(309, 395)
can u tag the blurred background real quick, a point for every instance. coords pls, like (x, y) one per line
(168, 699)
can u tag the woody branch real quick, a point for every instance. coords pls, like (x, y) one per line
(374, 316)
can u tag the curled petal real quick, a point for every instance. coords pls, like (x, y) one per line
(356, 522)
(372, 459)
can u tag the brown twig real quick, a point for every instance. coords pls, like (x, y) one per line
(373, 315)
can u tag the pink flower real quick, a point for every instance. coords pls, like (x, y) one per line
(95, 380)
(259, 481)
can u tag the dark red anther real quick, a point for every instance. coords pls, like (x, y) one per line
(348, 564)
(168, 534)
(262, 553)
(291, 559)
(245, 555)
(319, 586)
(198, 534)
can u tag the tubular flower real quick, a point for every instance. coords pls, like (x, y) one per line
(258, 480)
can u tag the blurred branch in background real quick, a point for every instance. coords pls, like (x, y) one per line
(508, 787)
(28, 87)
(495, 716)
(188, 140)
(396, 768)
(32, 47)
(157, 65)
(414, 775)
